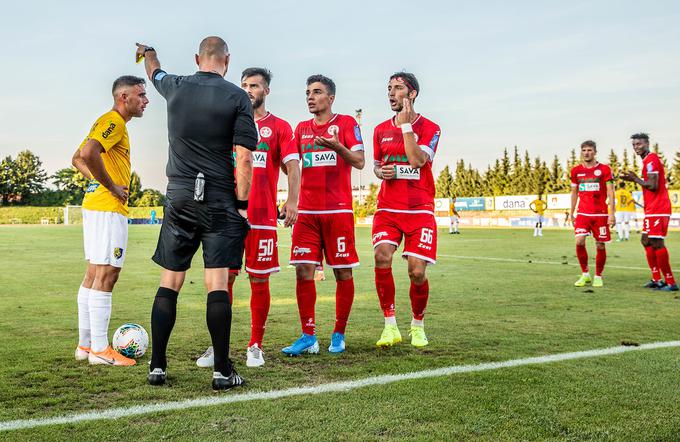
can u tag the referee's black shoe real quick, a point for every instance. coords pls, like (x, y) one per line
(221, 382)
(157, 376)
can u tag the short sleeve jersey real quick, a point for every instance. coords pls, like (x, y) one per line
(326, 183)
(207, 116)
(624, 201)
(411, 189)
(591, 183)
(276, 146)
(110, 131)
(656, 202)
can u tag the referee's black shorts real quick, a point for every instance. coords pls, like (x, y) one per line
(216, 225)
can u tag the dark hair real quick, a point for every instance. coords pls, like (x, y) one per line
(330, 85)
(126, 80)
(408, 78)
(589, 143)
(262, 72)
(640, 136)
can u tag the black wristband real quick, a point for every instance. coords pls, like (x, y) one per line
(147, 49)
(241, 205)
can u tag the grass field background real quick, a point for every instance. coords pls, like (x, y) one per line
(495, 295)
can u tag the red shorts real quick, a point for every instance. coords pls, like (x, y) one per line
(655, 226)
(328, 234)
(262, 252)
(596, 225)
(419, 229)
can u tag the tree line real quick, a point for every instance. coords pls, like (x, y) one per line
(522, 175)
(23, 181)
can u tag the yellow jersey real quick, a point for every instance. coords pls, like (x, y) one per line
(110, 131)
(624, 201)
(452, 209)
(539, 206)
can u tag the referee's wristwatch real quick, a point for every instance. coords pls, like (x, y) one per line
(147, 49)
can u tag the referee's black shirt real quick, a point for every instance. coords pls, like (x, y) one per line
(207, 116)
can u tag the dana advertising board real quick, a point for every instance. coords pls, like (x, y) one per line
(513, 202)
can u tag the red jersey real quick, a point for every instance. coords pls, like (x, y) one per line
(276, 145)
(592, 188)
(326, 183)
(656, 203)
(411, 189)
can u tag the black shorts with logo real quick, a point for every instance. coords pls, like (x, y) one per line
(215, 224)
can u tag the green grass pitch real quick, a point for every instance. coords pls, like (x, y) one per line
(520, 303)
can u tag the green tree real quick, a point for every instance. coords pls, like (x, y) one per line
(150, 198)
(7, 179)
(557, 178)
(444, 184)
(72, 183)
(674, 173)
(29, 177)
(614, 163)
(572, 161)
(135, 189)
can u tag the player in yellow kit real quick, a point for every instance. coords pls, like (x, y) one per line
(104, 157)
(453, 217)
(538, 206)
(625, 212)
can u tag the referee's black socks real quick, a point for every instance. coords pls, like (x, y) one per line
(163, 316)
(218, 318)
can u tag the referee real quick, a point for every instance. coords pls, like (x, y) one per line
(208, 119)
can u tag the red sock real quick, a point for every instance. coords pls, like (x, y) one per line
(259, 310)
(230, 290)
(384, 285)
(651, 261)
(419, 295)
(600, 259)
(305, 291)
(665, 265)
(344, 297)
(582, 255)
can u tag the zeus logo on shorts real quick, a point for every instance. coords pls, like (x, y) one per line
(301, 250)
(403, 172)
(589, 187)
(259, 159)
(319, 159)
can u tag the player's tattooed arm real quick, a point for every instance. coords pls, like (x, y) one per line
(244, 175)
(355, 159)
(652, 182)
(611, 200)
(417, 157)
(79, 163)
(92, 155)
(290, 208)
(150, 57)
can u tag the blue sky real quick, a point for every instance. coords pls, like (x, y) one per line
(540, 75)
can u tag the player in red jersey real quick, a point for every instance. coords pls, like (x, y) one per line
(330, 145)
(593, 187)
(657, 213)
(403, 150)
(276, 149)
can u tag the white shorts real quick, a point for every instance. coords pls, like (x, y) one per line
(624, 217)
(105, 236)
(540, 219)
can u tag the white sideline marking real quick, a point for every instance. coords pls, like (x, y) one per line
(125, 412)
(526, 261)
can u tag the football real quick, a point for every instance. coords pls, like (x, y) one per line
(131, 340)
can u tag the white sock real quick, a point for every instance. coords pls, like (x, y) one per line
(619, 231)
(586, 274)
(390, 320)
(417, 322)
(626, 231)
(451, 228)
(100, 313)
(83, 317)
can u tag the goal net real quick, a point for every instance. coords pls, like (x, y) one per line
(73, 215)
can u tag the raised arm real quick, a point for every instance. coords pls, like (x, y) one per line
(150, 57)
(417, 157)
(354, 158)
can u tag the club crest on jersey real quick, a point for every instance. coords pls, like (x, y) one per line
(598, 172)
(259, 159)
(265, 132)
(117, 253)
(319, 159)
(404, 172)
(333, 130)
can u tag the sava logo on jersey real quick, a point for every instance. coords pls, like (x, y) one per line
(589, 187)
(319, 159)
(404, 172)
(259, 159)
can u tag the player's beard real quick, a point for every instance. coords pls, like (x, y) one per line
(257, 102)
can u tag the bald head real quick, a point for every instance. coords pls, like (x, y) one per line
(213, 47)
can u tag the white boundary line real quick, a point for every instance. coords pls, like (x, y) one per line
(526, 261)
(124, 412)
